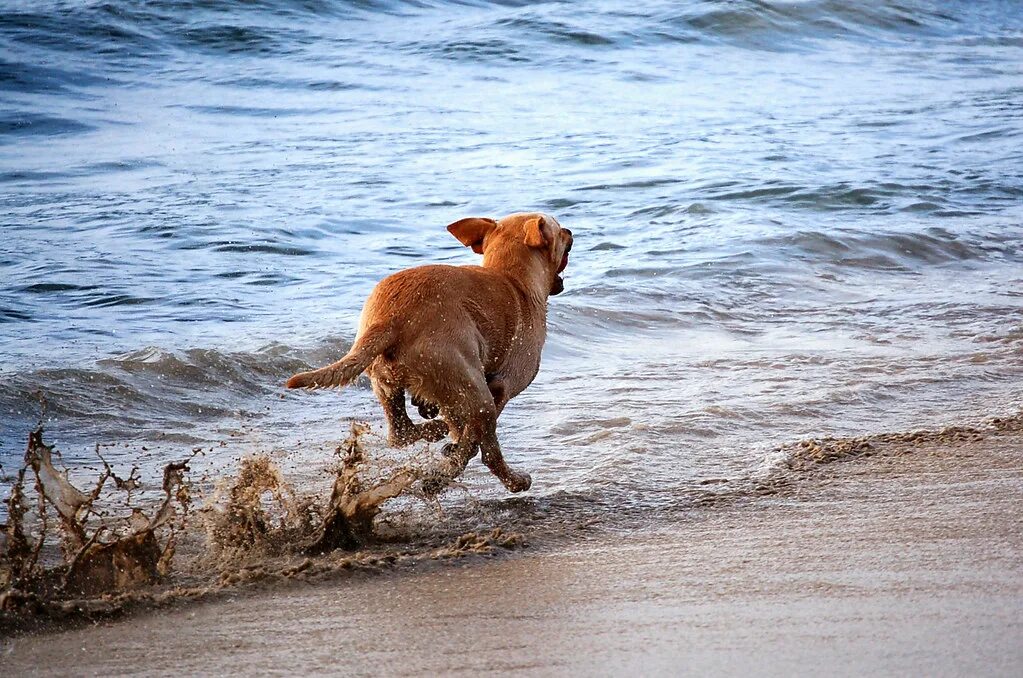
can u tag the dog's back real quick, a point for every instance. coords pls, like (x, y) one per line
(475, 311)
(479, 314)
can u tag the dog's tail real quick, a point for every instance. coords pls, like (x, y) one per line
(371, 343)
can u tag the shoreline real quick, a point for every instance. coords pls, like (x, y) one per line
(890, 553)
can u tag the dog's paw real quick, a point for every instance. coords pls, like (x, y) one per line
(426, 410)
(517, 482)
(433, 431)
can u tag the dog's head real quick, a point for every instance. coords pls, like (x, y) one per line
(524, 240)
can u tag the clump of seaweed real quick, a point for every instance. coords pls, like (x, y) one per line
(113, 555)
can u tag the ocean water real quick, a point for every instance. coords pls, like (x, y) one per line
(792, 219)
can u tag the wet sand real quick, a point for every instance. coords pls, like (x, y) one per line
(909, 561)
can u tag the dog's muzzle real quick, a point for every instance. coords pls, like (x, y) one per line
(559, 284)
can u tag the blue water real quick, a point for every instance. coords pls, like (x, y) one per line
(792, 218)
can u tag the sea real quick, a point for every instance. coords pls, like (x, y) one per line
(792, 219)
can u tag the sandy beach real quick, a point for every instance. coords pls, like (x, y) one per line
(902, 556)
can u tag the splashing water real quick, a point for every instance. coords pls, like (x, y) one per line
(247, 520)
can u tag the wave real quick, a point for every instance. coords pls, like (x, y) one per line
(513, 36)
(757, 24)
(893, 249)
(940, 195)
(120, 30)
(154, 390)
(17, 124)
(744, 258)
(76, 49)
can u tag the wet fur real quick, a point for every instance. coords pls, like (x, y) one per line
(462, 340)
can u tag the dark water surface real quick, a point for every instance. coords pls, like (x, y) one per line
(792, 218)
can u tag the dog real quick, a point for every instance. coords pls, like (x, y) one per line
(462, 340)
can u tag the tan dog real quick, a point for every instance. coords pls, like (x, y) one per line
(463, 340)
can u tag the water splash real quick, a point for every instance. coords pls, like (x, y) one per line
(252, 525)
(114, 555)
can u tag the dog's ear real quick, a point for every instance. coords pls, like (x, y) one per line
(471, 232)
(536, 232)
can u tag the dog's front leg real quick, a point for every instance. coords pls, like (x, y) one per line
(464, 446)
(515, 481)
(457, 455)
(492, 457)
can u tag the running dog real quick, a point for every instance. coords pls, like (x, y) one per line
(462, 340)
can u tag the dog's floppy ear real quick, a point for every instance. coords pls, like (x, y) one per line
(536, 232)
(471, 232)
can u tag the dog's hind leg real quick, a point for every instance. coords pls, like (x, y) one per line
(480, 432)
(401, 431)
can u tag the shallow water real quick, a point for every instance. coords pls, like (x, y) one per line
(792, 219)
